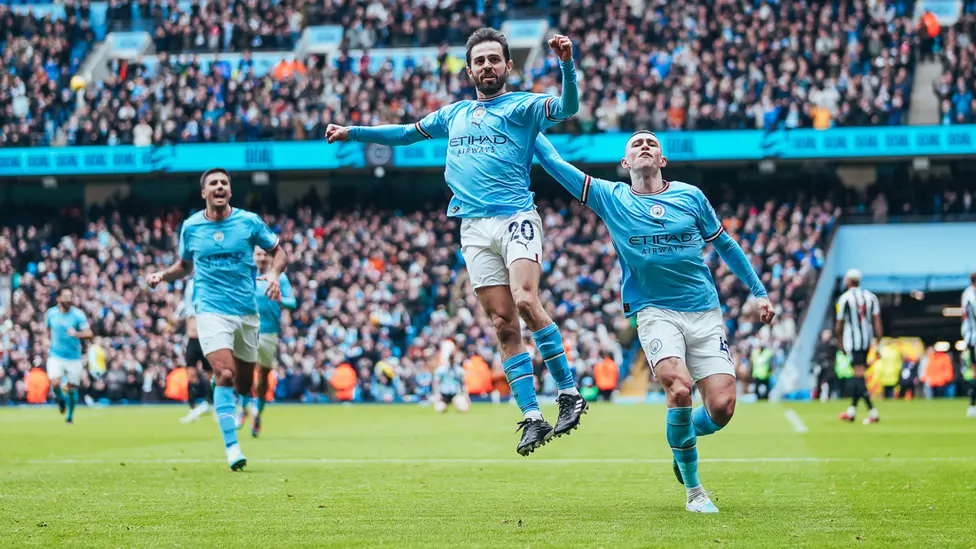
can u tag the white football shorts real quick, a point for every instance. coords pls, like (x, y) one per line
(67, 369)
(490, 245)
(267, 350)
(237, 333)
(697, 338)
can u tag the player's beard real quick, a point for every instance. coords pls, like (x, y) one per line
(491, 89)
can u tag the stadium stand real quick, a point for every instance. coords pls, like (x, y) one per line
(955, 89)
(673, 67)
(39, 55)
(377, 290)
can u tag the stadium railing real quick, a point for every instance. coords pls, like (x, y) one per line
(692, 147)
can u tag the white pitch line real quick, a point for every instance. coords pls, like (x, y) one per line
(475, 461)
(796, 422)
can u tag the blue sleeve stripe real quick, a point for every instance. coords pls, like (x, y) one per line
(549, 110)
(422, 132)
(716, 235)
(587, 180)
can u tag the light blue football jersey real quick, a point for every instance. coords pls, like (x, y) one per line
(64, 346)
(489, 145)
(222, 252)
(659, 238)
(269, 310)
(489, 151)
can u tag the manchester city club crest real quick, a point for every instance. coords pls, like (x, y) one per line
(218, 236)
(657, 211)
(478, 115)
(655, 346)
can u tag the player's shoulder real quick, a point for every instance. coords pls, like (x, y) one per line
(528, 96)
(518, 101)
(682, 188)
(194, 220)
(246, 215)
(524, 99)
(451, 108)
(611, 187)
(51, 311)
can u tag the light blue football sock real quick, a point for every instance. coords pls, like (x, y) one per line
(72, 400)
(518, 372)
(681, 437)
(550, 344)
(225, 404)
(246, 401)
(703, 422)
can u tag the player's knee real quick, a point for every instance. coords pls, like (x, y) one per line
(225, 376)
(526, 301)
(721, 408)
(673, 377)
(507, 330)
(680, 392)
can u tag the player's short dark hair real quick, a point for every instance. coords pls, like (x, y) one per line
(972, 278)
(487, 34)
(211, 171)
(63, 289)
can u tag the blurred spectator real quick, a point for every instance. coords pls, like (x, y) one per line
(955, 89)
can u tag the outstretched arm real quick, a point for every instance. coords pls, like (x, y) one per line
(390, 134)
(566, 174)
(567, 104)
(580, 185)
(738, 263)
(712, 231)
(432, 126)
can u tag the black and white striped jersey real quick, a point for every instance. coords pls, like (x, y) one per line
(969, 316)
(857, 307)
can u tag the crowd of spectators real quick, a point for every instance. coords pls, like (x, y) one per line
(685, 65)
(955, 89)
(742, 64)
(38, 56)
(377, 290)
(237, 25)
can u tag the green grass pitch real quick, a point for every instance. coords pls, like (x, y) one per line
(402, 476)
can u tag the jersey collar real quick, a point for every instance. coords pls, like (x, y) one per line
(667, 185)
(492, 100)
(233, 210)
